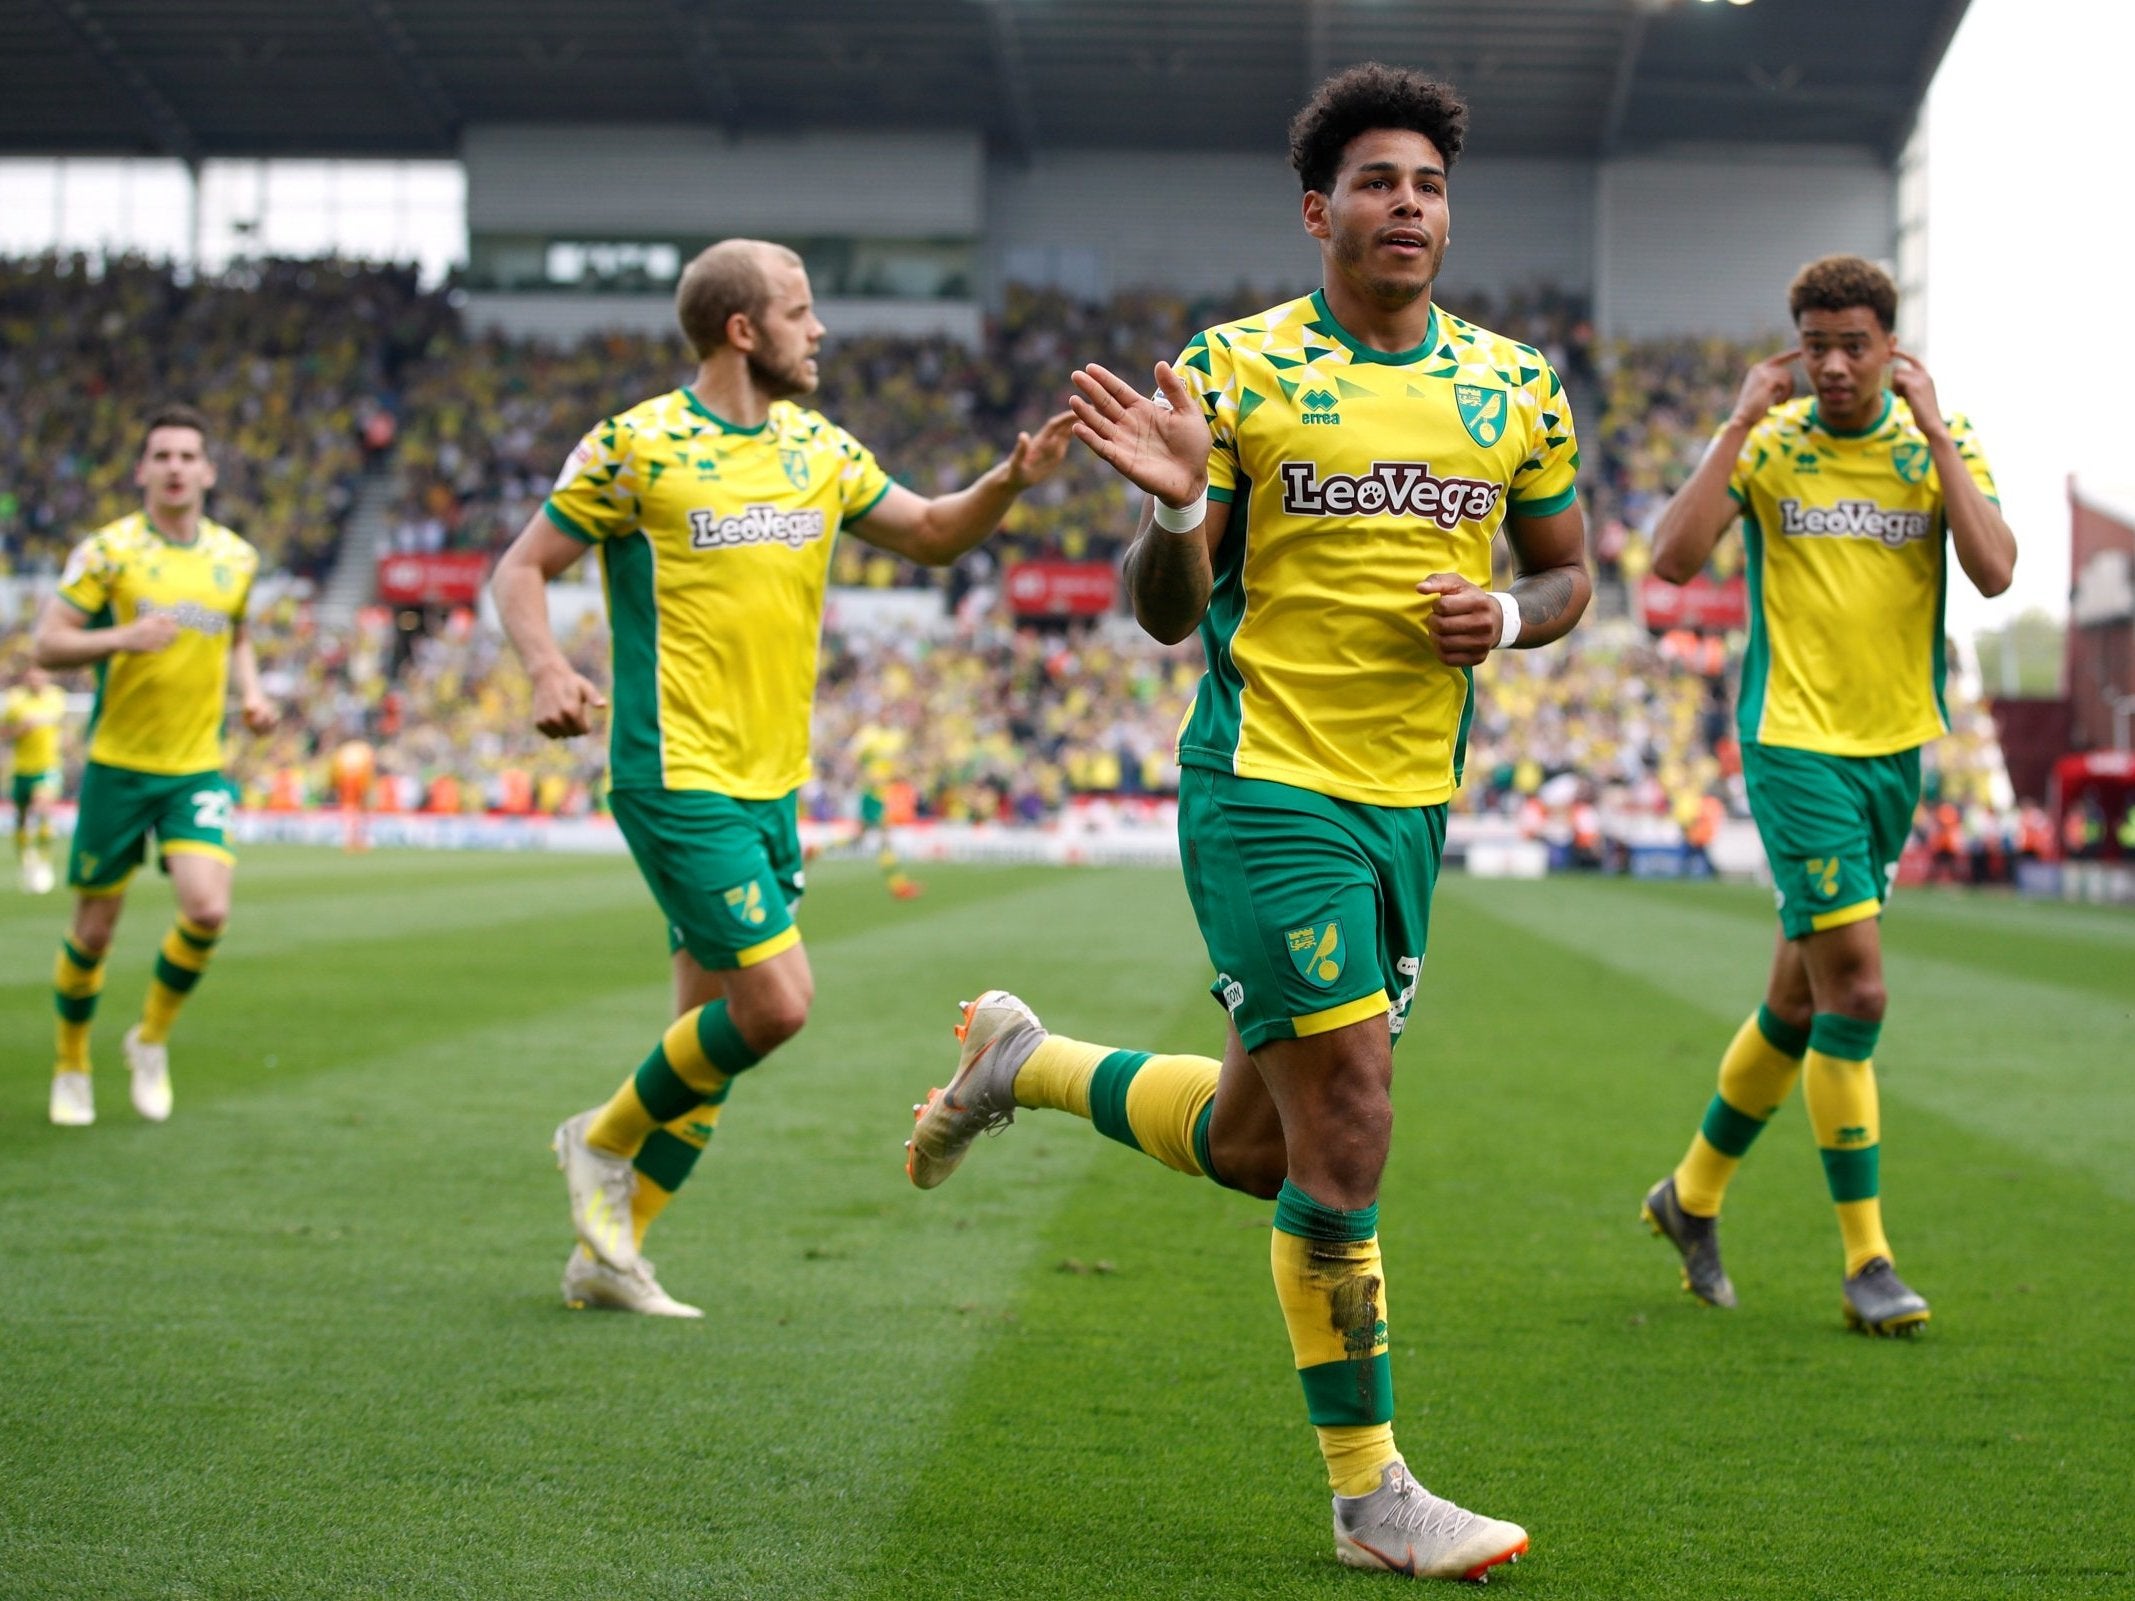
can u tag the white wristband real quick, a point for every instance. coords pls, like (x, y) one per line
(1511, 609)
(1182, 519)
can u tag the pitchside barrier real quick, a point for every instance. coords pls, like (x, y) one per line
(1138, 833)
(1089, 833)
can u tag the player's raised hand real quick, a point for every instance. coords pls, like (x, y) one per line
(1766, 385)
(564, 703)
(148, 634)
(1909, 379)
(1464, 622)
(1160, 446)
(1038, 456)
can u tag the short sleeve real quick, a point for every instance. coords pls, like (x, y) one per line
(861, 481)
(86, 581)
(1204, 366)
(1544, 483)
(1756, 448)
(596, 494)
(1973, 456)
(244, 597)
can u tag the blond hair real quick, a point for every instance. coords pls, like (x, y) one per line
(721, 280)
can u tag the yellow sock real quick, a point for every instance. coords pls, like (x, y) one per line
(1331, 1284)
(1158, 1105)
(179, 964)
(1057, 1074)
(1839, 1085)
(1357, 1456)
(695, 1062)
(665, 1160)
(1756, 1076)
(77, 981)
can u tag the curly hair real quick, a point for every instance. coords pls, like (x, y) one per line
(1367, 97)
(1838, 283)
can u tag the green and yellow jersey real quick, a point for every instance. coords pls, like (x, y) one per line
(715, 546)
(162, 712)
(1844, 534)
(1352, 475)
(37, 715)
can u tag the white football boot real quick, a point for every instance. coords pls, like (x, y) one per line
(73, 1106)
(601, 1187)
(589, 1283)
(150, 1066)
(1403, 1528)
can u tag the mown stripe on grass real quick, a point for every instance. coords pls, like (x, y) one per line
(2007, 1056)
(312, 1253)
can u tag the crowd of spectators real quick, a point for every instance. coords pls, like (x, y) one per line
(294, 363)
(307, 368)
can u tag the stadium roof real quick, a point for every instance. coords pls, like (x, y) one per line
(1563, 78)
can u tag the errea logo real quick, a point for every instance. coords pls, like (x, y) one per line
(1319, 407)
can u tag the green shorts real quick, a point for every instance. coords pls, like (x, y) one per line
(1315, 911)
(1833, 830)
(189, 813)
(30, 788)
(726, 872)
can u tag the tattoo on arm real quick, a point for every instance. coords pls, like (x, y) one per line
(1168, 581)
(1543, 597)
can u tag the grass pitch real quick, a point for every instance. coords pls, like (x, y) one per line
(304, 1340)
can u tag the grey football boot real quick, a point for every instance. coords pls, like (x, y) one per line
(1697, 1238)
(1402, 1528)
(1879, 1302)
(998, 1033)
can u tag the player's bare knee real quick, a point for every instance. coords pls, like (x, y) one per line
(1255, 1166)
(770, 1021)
(206, 910)
(1862, 996)
(95, 921)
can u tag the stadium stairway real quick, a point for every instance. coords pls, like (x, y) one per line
(353, 583)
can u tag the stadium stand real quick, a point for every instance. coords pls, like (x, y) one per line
(293, 362)
(1590, 746)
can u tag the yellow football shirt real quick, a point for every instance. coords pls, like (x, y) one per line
(715, 546)
(162, 712)
(38, 713)
(1352, 475)
(1845, 539)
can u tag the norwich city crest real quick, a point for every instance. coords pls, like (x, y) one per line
(796, 464)
(1316, 951)
(1482, 411)
(1912, 460)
